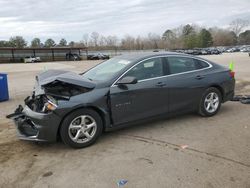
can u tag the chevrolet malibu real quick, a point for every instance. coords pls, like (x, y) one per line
(120, 91)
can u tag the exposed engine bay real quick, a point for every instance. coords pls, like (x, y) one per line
(54, 85)
(40, 103)
(53, 92)
(64, 90)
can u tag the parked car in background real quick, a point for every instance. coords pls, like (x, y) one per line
(179, 51)
(245, 49)
(204, 52)
(234, 49)
(196, 51)
(215, 51)
(31, 59)
(72, 57)
(120, 91)
(97, 56)
(221, 49)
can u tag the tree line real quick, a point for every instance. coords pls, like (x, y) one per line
(187, 36)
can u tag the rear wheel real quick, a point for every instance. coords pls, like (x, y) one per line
(210, 102)
(81, 128)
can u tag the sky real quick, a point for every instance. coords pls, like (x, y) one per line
(71, 19)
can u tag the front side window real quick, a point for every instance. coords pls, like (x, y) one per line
(147, 69)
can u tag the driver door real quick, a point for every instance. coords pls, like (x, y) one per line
(146, 98)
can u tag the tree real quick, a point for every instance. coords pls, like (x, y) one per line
(63, 42)
(238, 25)
(190, 37)
(169, 37)
(223, 37)
(244, 38)
(187, 30)
(205, 38)
(102, 42)
(49, 43)
(191, 41)
(174, 39)
(95, 38)
(85, 39)
(128, 43)
(154, 41)
(4, 43)
(36, 42)
(77, 44)
(72, 44)
(233, 37)
(139, 43)
(111, 41)
(17, 42)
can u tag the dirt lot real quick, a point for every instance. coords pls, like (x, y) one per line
(147, 155)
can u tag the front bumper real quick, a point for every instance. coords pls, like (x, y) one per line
(35, 126)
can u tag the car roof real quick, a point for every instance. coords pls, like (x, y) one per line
(144, 55)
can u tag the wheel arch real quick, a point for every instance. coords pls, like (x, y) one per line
(220, 89)
(103, 115)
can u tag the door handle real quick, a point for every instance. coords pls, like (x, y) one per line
(199, 77)
(160, 84)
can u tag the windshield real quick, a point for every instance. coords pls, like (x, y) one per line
(107, 69)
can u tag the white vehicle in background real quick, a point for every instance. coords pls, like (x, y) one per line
(31, 59)
(245, 49)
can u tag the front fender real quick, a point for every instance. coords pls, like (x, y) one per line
(96, 99)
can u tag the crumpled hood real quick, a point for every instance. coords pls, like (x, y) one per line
(63, 76)
(68, 77)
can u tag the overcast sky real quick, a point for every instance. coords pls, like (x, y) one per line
(71, 19)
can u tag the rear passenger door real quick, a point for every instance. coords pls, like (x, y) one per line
(185, 81)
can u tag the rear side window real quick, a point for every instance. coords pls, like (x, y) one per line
(201, 64)
(180, 64)
(184, 64)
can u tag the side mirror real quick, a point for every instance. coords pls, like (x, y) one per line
(127, 80)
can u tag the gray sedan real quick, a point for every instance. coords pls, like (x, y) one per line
(118, 92)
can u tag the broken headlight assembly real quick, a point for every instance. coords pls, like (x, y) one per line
(47, 100)
(41, 103)
(49, 105)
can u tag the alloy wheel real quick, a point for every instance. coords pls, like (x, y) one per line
(211, 102)
(82, 129)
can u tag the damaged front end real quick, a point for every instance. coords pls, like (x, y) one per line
(26, 128)
(40, 117)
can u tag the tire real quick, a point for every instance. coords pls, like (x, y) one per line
(82, 122)
(210, 96)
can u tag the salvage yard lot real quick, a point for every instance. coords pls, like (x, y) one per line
(147, 155)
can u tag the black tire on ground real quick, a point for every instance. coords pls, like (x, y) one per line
(202, 109)
(64, 133)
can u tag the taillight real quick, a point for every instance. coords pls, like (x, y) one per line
(232, 74)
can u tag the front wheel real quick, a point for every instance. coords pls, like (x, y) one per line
(81, 128)
(210, 102)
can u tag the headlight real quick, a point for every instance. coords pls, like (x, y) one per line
(50, 104)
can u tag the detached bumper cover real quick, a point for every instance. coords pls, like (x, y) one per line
(35, 126)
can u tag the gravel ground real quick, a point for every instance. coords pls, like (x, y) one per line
(147, 155)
